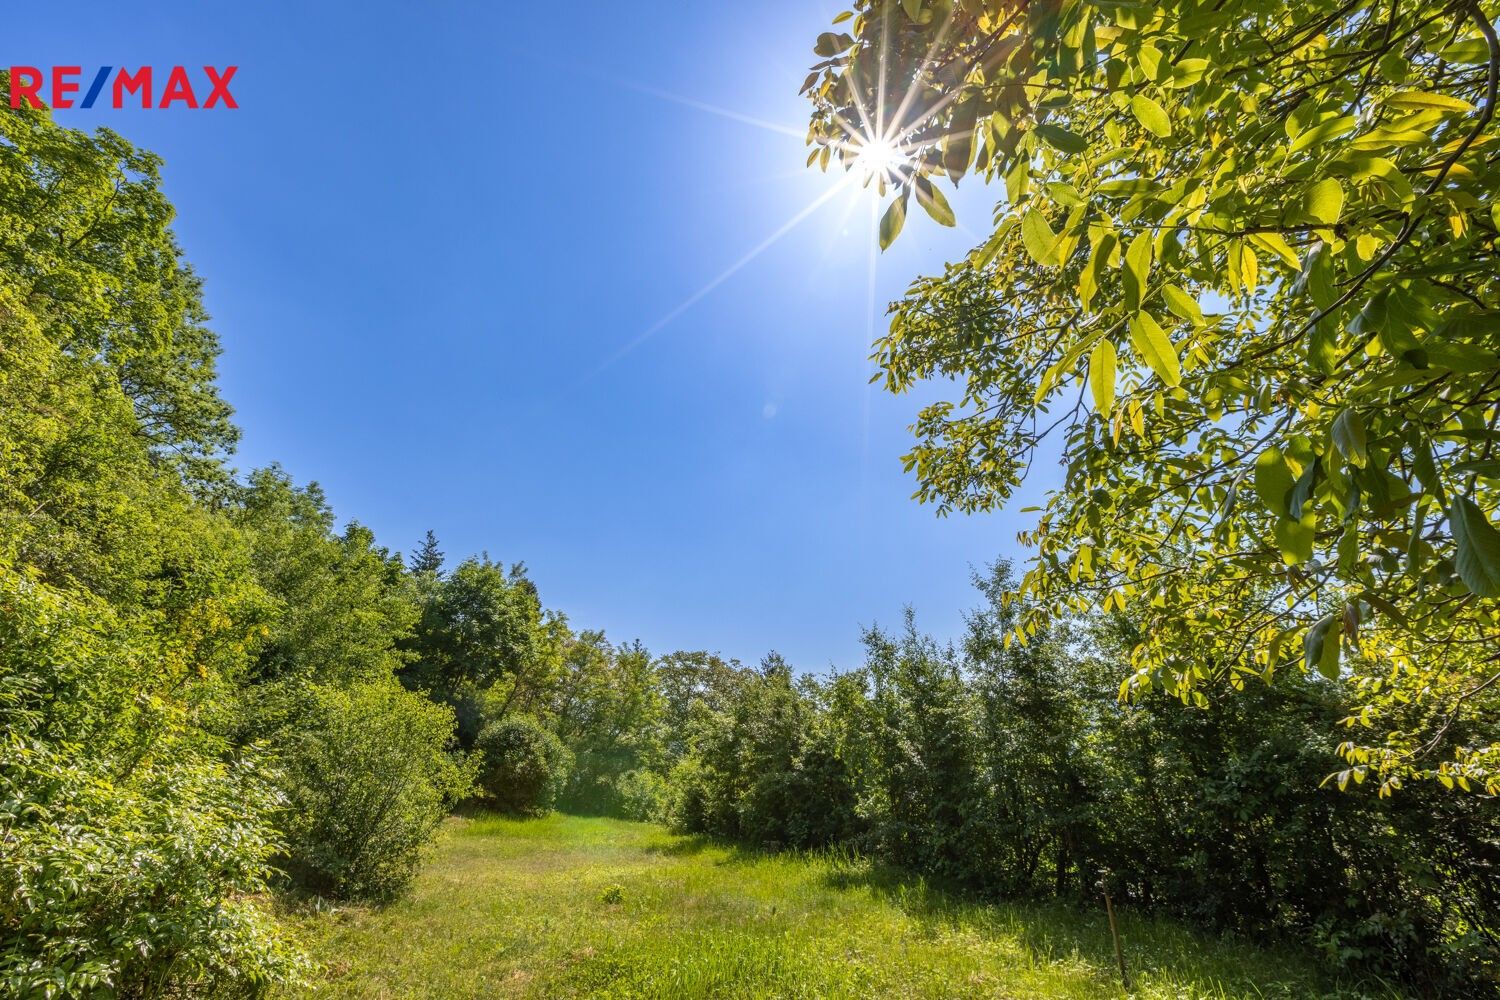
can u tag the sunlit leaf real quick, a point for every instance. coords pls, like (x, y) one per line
(1151, 115)
(1102, 365)
(1153, 345)
(1324, 201)
(1273, 480)
(892, 221)
(1039, 239)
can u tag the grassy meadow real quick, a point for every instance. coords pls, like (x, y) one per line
(586, 907)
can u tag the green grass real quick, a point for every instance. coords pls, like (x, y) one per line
(574, 907)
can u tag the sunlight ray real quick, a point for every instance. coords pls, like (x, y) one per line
(713, 109)
(885, 46)
(724, 275)
(868, 126)
(911, 86)
(936, 108)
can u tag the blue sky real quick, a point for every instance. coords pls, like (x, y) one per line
(430, 236)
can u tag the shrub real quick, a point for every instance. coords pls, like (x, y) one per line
(641, 795)
(525, 765)
(369, 777)
(133, 848)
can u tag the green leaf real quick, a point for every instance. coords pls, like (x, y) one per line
(1330, 128)
(1474, 51)
(958, 144)
(1061, 139)
(1187, 72)
(1102, 364)
(1349, 437)
(1321, 647)
(1273, 480)
(1039, 239)
(932, 199)
(1324, 201)
(1064, 194)
(1295, 538)
(1478, 544)
(1419, 100)
(1088, 280)
(1487, 467)
(1394, 334)
(1150, 61)
(1137, 269)
(1151, 115)
(913, 9)
(1302, 489)
(1182, 304)
(1471, 359)
(1426, 469)
(1378, 168)
(1278, 246)
(830, 44)
(1316, 277)
(892, 221)
(1154, 346)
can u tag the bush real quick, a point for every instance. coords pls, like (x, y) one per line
(641, 794)
(133, 847)
(525, 765)
(369, 778)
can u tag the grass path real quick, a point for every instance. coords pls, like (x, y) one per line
(573, 907)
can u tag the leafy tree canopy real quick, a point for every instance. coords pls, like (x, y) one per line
(86, 247)
(1244, 278)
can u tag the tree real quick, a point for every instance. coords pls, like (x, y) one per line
(1038, 806)
(1245, 280)
(484, 645)
(428, 559)
(607, 707)
(341, 607)
(86, 243)
(925, 749)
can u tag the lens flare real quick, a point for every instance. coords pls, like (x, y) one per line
(878, 159)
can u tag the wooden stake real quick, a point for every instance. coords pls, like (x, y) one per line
(1114, 932)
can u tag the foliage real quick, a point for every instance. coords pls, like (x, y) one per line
(427, 560)
(133, 847)
(1244, 280)
(341, 601)
(762, 770)
(525, 765)
(641, 794)
(1014, 771)
(136, 836)
(483, 645)
(922, 773)
(86, 244)
(368, 781)
(609, 712)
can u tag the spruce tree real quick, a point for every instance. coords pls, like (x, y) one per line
(428, 558)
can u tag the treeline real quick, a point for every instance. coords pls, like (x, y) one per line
(1014, 770)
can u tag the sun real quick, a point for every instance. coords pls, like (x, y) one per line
(878, 159)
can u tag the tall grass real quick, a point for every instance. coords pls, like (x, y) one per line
(571, 907)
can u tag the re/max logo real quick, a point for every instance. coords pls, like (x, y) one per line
(27, 82)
